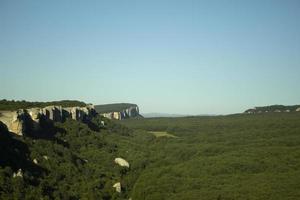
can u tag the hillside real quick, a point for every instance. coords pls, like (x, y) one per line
(73, 162)
(273, 108)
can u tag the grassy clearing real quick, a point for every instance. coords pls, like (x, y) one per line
(162, 134)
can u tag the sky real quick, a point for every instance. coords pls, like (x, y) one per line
(168, 56)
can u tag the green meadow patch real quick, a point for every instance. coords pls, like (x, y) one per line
(162, 134)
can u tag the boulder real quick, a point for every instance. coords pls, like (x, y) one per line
(18, 174)
(122, 162)
(298, 110)
(117, 186)
(46, 157)
(35, 161)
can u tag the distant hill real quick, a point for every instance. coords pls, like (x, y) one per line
(115, 107)
(274, 108)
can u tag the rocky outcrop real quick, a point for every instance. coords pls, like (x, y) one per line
(273, 109)
(117, 186)
(130, 112)
(14, 120)
(18, 121)
(122, 162)
(18, 174)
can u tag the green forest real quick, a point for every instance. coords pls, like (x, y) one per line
(191, 158)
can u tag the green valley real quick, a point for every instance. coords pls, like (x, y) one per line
(210, 158)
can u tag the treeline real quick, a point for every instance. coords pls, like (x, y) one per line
(15, 105)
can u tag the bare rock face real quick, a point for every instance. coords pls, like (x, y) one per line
(35, 114)
(18, 121)
(13, 120)
(130, 112)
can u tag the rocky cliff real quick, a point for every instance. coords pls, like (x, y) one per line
(118, 111)
(20, 120)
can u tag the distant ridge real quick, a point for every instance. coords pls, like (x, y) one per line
(273, 108)
(113, 107)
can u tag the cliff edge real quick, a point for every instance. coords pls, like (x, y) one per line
(119, 111)
(20, 120)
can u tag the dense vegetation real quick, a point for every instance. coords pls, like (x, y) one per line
(15, 105)
(116, 107)
(223, 157)
(274, 108)
(75, 163)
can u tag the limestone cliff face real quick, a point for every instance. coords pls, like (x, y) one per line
(17, 121)
(130, 112)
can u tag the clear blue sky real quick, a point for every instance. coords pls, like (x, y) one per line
(189, 57)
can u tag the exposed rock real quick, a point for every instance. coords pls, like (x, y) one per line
(130, 112)
(117, 186)
(18, 121)
(117, 115)
(13, 121)
(273, 109)
(35, 161)
(53, 113)
(46, 157)
(18, 174)
(121, 162)
(298, 110)
(35, 114)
